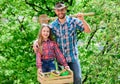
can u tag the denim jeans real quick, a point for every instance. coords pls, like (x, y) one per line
(75, 67)
(48, 65)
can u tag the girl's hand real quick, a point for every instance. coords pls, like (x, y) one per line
(40, 71)
(67, 67)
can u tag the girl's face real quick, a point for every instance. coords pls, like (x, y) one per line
(45, 33)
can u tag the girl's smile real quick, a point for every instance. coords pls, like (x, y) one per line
(45, 33)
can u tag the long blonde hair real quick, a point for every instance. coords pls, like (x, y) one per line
(40, 38)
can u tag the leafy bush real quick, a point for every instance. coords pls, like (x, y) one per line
(99, 52)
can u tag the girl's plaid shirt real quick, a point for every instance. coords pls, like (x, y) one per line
(50, 50)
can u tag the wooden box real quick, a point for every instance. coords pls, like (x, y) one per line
(56, 79)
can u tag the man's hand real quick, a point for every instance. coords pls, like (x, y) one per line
(80, 16)
(35, 46)
(86, 26)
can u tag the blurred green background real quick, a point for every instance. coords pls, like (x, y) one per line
(99, 51)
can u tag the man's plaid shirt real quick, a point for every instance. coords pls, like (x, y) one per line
(66, 36)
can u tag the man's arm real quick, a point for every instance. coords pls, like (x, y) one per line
(86, 26)
(35, 46)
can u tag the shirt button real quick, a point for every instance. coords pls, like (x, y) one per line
(65, 47)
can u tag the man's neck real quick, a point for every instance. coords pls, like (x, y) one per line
(62, 21)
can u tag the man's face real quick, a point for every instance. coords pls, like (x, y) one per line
(60, 13)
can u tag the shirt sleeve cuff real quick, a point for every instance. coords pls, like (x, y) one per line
(65, 64)
(39, 66)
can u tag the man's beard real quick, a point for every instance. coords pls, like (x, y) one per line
(62, 16)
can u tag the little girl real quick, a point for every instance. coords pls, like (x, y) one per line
(47, 51)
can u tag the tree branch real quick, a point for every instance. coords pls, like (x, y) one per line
(65, 1)
(86, 75)
(21, 25)
(109, 47)
(13, 13)
(92, 34)
(85, 79)
(35, 9)
(47, 6)
(34, 6)
(117, 47)
(71, 2)
(104, 48)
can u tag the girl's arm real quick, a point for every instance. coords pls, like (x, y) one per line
(35, 46)
(38, 61)
(59, 56)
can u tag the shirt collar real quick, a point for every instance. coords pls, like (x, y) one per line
(47, 40)
(67, 20)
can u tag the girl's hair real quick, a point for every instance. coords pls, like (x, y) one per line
(40, 38)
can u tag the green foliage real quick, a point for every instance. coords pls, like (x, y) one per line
(99, 52)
